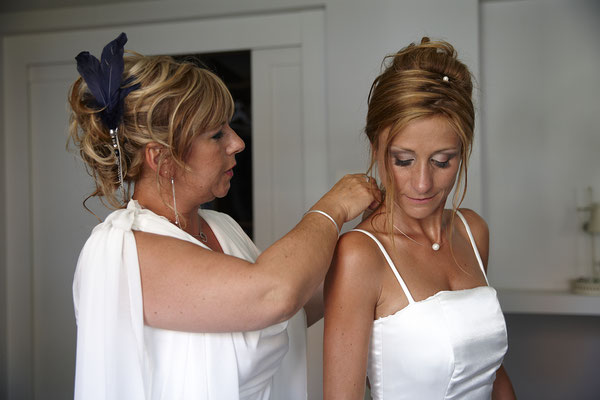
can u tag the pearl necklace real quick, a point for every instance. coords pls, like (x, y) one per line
(435, 246)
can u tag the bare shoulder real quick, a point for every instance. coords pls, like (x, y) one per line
(155, 250)
(356, 263)
(480, 231)
(147, 241)
(358, 251)
(478, 226)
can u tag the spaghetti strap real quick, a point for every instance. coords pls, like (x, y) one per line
(390, 263)
(463, 219)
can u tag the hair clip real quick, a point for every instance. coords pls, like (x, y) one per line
(446, 79)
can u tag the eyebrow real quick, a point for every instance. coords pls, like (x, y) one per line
(402, 150)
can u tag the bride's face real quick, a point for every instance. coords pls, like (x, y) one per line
(424, 159)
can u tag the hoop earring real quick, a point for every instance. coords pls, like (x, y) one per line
(175, 203)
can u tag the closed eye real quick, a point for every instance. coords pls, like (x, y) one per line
(441, 164)
(218, 135)
(444, 162)
(403, 163)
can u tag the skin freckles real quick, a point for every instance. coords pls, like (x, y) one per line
(424, 159)
(210, 164)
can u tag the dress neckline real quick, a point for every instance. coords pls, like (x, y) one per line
(436, 295)
(395, 271)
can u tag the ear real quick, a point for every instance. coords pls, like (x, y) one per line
(153, 154)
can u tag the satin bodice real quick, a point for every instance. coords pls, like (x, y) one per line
(448, 346)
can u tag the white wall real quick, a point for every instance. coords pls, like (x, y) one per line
(360, 34)
(523, 121)
(540, 62)
(539, 83)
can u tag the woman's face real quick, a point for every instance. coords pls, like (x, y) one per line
(210, 164)
(424, 159)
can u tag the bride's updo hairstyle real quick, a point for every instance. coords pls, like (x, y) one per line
(175, 102)
(421, 81)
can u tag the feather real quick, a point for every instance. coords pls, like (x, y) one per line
(104, 79)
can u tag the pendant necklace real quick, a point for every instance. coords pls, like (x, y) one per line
(201, 235)
(435, 246)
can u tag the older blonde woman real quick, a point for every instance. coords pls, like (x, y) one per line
(175, 302)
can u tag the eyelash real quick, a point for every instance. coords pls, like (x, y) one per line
(218, 135)
(402, 163)
(441, 164)
(406, 163)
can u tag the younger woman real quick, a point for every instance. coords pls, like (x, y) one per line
(407, 300)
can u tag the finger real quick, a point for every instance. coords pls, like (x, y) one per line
(372, 183)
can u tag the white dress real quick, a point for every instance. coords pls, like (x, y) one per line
(447, 346)
(118, 357)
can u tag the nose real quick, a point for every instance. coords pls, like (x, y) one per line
(422, 178)
(236, 144)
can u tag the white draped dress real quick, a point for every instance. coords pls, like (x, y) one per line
(118, 357)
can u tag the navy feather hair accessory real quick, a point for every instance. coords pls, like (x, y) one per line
(103, 79)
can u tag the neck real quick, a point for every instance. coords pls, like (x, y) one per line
(429, 229)
(159, 200)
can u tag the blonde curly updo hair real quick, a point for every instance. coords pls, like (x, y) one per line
(420, 81)
(175, 102)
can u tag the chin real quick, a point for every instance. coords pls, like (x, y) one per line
(222, 193)
(421, 211)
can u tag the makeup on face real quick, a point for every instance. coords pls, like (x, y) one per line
(406, 157)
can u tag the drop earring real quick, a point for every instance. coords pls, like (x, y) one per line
(175, 203)
(200, 235)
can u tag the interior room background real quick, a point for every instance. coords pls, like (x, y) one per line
(537, 150)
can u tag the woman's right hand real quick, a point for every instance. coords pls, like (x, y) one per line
(349, 197)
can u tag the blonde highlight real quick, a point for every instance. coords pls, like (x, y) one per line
(176, 101)
(420, 81)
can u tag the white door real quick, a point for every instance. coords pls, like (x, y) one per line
(277, 167)
(45, 220)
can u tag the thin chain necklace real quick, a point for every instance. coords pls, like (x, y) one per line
(435, 246)
(202, 236)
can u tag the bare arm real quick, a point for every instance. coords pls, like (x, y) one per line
(503, 389)
(314, 308)
(186, 287)
(351, 292)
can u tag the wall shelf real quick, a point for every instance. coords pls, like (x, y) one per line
(558, 302)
